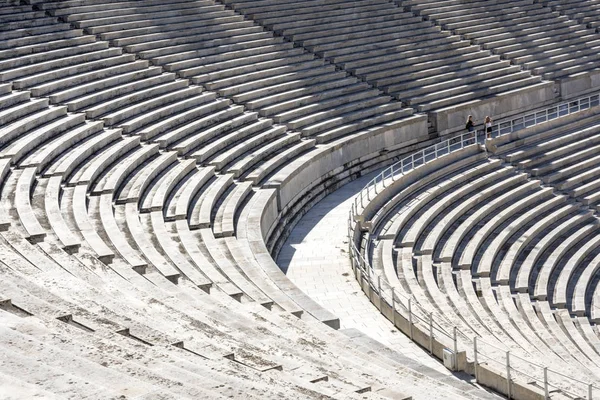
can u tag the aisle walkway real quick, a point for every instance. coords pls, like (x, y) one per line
(316, 260)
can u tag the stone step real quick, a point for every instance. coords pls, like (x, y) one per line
(151, 34)
(260, 154)
(521, 84)
(276, 93)
(133, 115)
(567, 274)
(191, 66)
(27, 23)
(69, 163)
(541, 205)
(81, 13)
(263, 74)
(157, 198)
(438, 91)
(38, 35)
(108, 18)
(296, 115)
(410, 56)
(58, 79)
(196, 107)
(35, 138)
(286, 99)
(189, 242)
(170, 246)
(113, 102)
(436, 67)
(26, 120)
(383, 20)
(89, 96)
(44, 156)
(110, 31)
(232, 68)
(133, 188)
(55, 46)
(262, 171)
(8, 99)
(256, 128)
(194, 134)
(225, 217)
(116, 175)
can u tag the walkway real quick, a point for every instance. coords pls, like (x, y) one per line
(315, 258)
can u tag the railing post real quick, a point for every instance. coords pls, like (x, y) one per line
(590, 386)
(379, 291)
(546, 392)
(431, 333)
(394, 306)
(455, 348)
(475, 356)
(410, 326)
(508, 374)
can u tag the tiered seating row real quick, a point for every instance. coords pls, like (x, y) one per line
(76, 172)
(100, 173)
(529, 34)
(394, 50)
(238, 60)
(563, 157)
(585, 12)
(463, 238)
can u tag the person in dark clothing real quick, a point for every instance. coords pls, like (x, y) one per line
(470, 126)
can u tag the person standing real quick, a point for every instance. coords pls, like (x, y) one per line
(488, 127)
(470, 126)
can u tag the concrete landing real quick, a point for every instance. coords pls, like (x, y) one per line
(315, 258)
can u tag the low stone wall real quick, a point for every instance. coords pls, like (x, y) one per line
(452, 119)
(305, 171)
(296, 183)
(579, 85)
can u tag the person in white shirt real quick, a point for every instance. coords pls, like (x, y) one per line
(488, 127)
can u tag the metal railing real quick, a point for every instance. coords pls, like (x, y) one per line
(460, 141)
(549, 114)
(400, 303)
(411, 162)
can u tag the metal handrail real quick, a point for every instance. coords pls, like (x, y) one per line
(498, 129)
(425, 156)
(549, 114)
(409, 163)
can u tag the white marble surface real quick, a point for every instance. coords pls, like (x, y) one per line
(315, 258)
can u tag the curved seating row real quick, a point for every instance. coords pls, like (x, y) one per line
(151, 204)
(94, 172)
(564, 158)
(529, 34)
(216, 48)
(583, 12)
(123, 190)
(100, 174)
(464, 237)
(394, 50)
